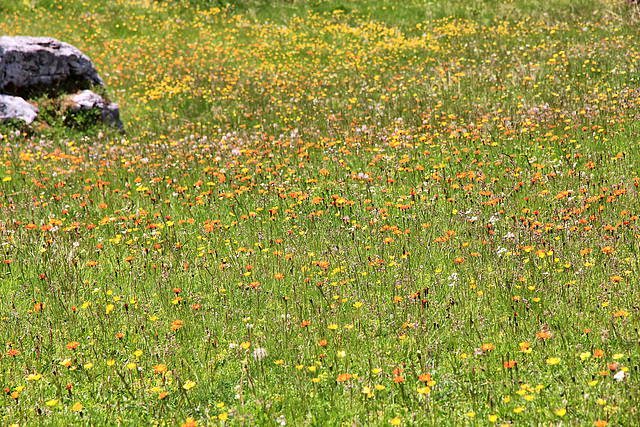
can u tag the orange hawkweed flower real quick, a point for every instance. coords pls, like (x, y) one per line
(13, 352)
(177, 324)
(72, 345)
(344, 377)
(160, 368)
(607, 250)
(509, 364)
(544, 335)
(487, 347)
(598, 353)
(424, 378)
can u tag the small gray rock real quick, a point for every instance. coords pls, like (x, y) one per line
(111, 115)
(30, 63)
(16, 108)
(87, 100)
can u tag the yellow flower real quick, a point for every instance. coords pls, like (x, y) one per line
(138, 353)
(493, 418)
(333, 326)
(561, 412)
(380, 387)
(33, 377)
(52, 402)
(376, 370)
(518, 409)
(111, 362)
(109, 308)
(245, 345)
(553, 361)
(223, 416)
(131, 366)
(395, 421)
(188, 385)
(77, 407)
(471, 414)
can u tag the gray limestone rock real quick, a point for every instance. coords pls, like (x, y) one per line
(30, 64)
(16, 108)
(87, 100)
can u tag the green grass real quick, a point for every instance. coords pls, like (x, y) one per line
(328, 213)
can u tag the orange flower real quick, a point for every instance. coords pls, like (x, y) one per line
(160, 368)
(607, 250)
(72, 345)
(544, 335)
(424, 378)
(398, 379)
(190, 422)
(13, 352)
(487, 347)
(510, 364)
(322, 343)
(344, 377)
(598, 353)
(177, 324)
(305, 323)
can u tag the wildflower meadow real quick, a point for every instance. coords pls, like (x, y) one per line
(328, 212)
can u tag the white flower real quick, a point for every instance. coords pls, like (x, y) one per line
(619, 376)
(259, 353)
